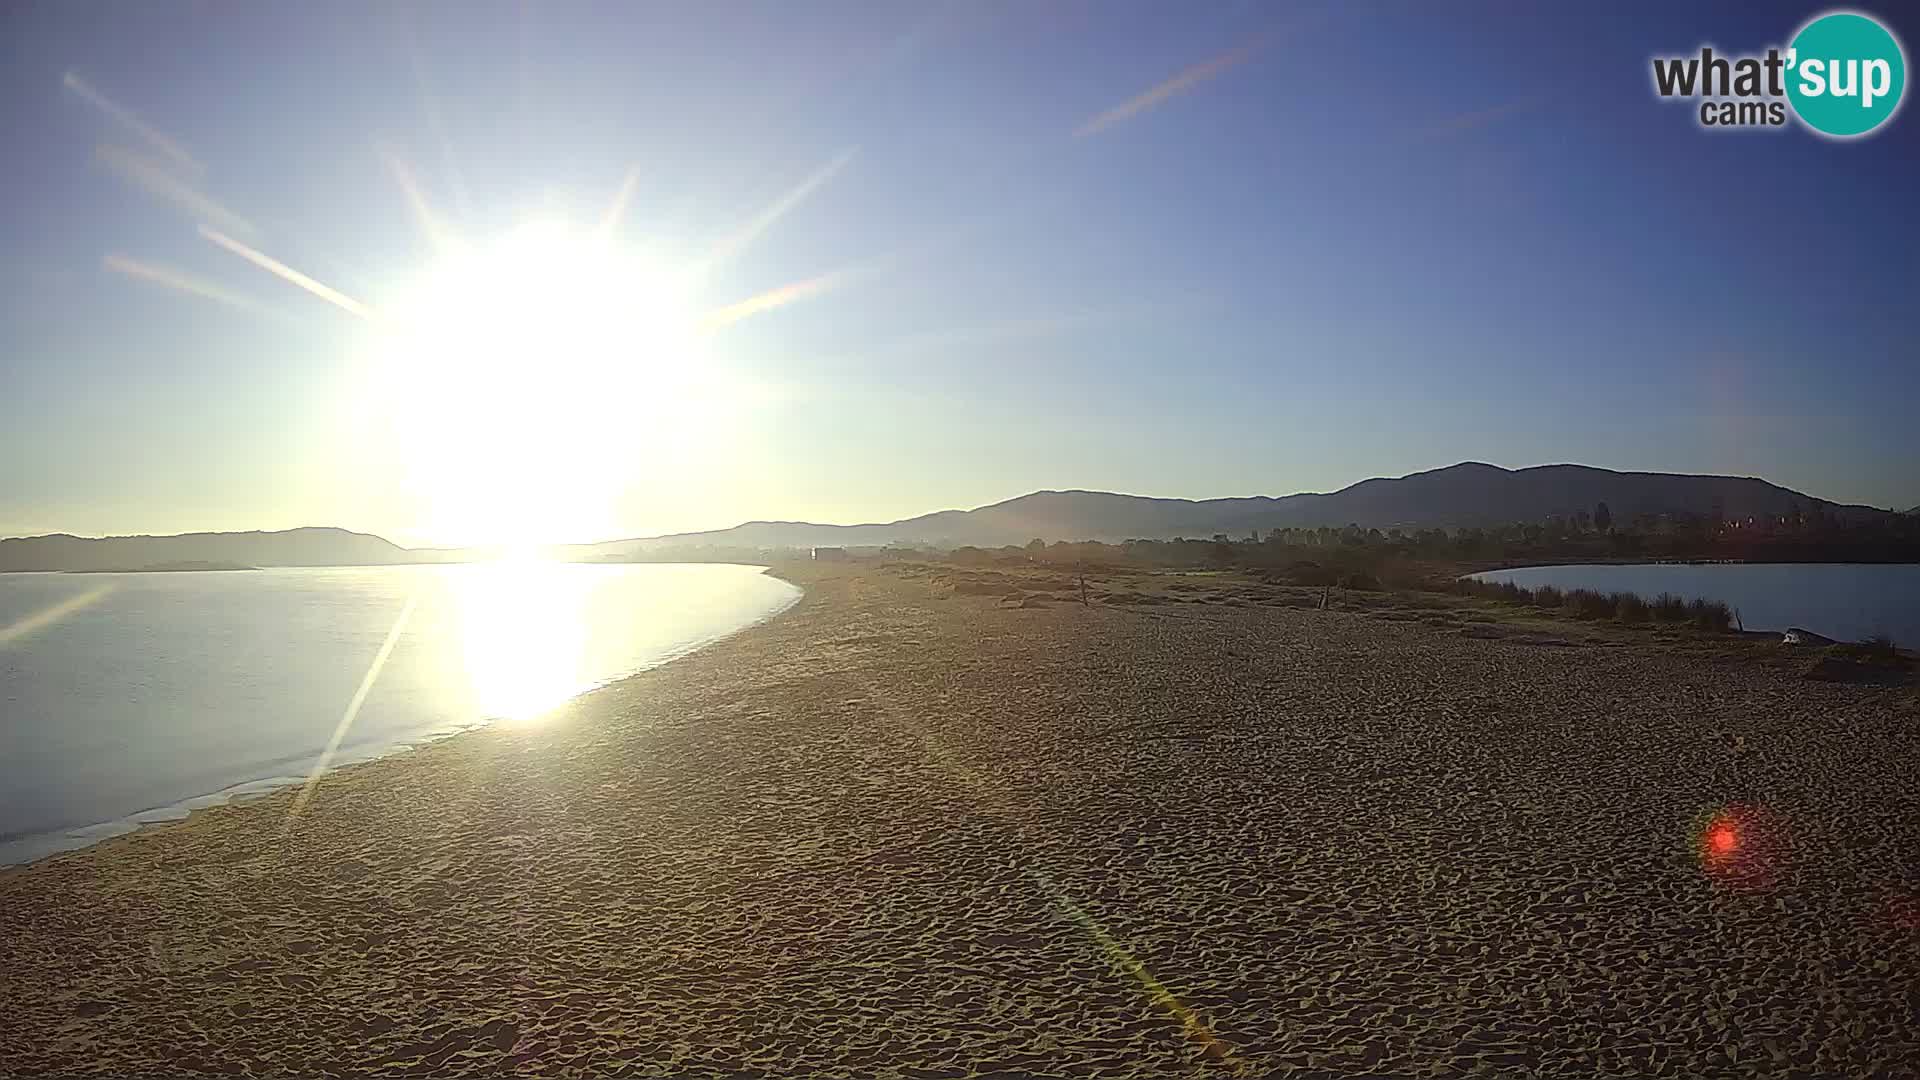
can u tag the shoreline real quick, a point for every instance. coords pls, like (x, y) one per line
(1777, 608)
(923, 824)
(181, 811)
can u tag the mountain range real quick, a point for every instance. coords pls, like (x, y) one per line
(1468, 494)
(292, 547)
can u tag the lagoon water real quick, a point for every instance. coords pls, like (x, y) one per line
(1847, 601)
(132, 697)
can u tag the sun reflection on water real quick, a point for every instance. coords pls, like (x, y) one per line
(523, 629)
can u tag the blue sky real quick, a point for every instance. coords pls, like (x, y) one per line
(1354, 240)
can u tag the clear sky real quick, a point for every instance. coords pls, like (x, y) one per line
(1172, 249)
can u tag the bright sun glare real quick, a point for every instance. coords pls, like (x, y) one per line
(523, 387)
(524, 627)
(527, 379)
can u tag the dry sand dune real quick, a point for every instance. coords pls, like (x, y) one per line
(901, 832)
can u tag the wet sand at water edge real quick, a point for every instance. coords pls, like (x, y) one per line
(910, 828)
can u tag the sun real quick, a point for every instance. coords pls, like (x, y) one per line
(544, 289)
(525, 381)
(525, 388)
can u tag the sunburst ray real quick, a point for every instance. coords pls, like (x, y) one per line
(352, 711)
(49, 615)
(287, 273)
(177, 280)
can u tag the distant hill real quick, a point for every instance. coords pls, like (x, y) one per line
(191, 566)
(293, 547)
(1461, 495)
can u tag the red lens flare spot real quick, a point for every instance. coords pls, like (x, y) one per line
(1742, 845)
(1723, 838)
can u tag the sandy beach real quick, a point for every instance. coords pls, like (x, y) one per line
(910, 828)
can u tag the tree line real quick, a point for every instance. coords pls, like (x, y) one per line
(1325, 555)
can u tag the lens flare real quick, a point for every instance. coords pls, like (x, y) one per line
(20, 628)
(1723, 839)
(1741, 846)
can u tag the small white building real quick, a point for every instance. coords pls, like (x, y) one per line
(829, 554)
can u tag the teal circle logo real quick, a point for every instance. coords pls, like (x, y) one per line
(1846, 74)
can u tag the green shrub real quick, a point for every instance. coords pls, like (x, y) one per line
(1505, 592)
(1591, 604)
(1305, 572)
(1710, 615)
(1629, 607)
(1587, 604)
(1877, 654)
(1669, 608)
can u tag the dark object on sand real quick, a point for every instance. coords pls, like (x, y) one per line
(1796, 636)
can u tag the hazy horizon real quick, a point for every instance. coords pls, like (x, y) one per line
(576, 542)
(497, 274)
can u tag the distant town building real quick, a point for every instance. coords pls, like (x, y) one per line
(830, 554)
